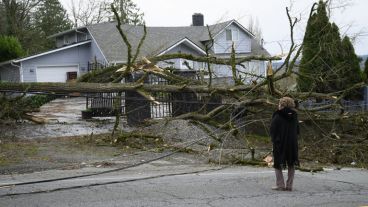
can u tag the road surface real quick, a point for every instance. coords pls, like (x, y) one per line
(162, 184)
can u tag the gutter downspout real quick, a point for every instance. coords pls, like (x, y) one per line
(20, 70)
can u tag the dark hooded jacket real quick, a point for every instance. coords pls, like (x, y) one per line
(284, 134)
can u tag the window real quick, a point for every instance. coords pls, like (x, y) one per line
(229, 35)
(232, 34)
(71, 76)
(66, 40)
(235, 34)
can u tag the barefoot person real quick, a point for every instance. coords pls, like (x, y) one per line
(284, 131)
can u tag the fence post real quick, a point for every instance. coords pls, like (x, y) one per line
(137, 108)
(184, 102)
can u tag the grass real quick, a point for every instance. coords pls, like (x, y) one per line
(15, 152)
(258, 141)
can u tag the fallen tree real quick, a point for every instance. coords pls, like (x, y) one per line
(259, 98)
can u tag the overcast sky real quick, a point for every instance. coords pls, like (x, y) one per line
(271, 16)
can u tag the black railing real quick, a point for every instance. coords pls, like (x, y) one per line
(137, 108)
(95, 66)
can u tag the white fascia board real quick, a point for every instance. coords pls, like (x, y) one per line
(66, 32)
(98, 46)
(118, 62)
(239, 25)
(51, 51)
(182, 41)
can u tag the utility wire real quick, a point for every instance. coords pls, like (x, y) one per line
(109, 183)
(117, 169)
(113, 170)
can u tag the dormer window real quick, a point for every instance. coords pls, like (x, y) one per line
(70, 38)
(66, 40)
(232, 34)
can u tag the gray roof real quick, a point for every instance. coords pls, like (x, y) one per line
(157, 40)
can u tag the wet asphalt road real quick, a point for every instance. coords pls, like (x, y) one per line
(162, 184)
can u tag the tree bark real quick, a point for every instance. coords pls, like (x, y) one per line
(62, 88)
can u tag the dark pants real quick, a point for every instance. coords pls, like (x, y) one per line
(280, 178)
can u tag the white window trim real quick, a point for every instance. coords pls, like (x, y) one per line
(233, 36)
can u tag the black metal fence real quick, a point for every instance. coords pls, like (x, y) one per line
(347, 105)
(95, 66)
(136, 108)
(104, 104)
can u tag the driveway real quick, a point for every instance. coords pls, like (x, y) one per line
(63, 118)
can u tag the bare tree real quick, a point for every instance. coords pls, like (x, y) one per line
(17, 15)
(255, 29)
(87, 12)
(338, 4)
(128, 11)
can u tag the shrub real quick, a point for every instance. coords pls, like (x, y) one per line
(36, 101)
(10, 48)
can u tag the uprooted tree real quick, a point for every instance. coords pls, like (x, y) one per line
(258, 99)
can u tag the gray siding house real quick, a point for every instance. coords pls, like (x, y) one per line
(101, 43)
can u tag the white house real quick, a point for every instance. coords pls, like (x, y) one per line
(101, 43)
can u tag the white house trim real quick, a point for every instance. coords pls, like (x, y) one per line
(182, 41)
(98, 46)
(239, 25)
(66, 32)
(52, 51)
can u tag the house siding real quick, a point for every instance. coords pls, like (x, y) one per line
(72, 37)
(242, 44)
(66, 39)
(10, 74)
(96, 54)
(258, 68)
(83, 36)
(222, 72)
(179, 63)
(73, 56)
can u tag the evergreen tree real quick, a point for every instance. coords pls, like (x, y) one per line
(365, 73)
(10, 48)
(129, 12)
(2, 19)
(314, 62)
(328, 63)
(50, 18)
(351, 72)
